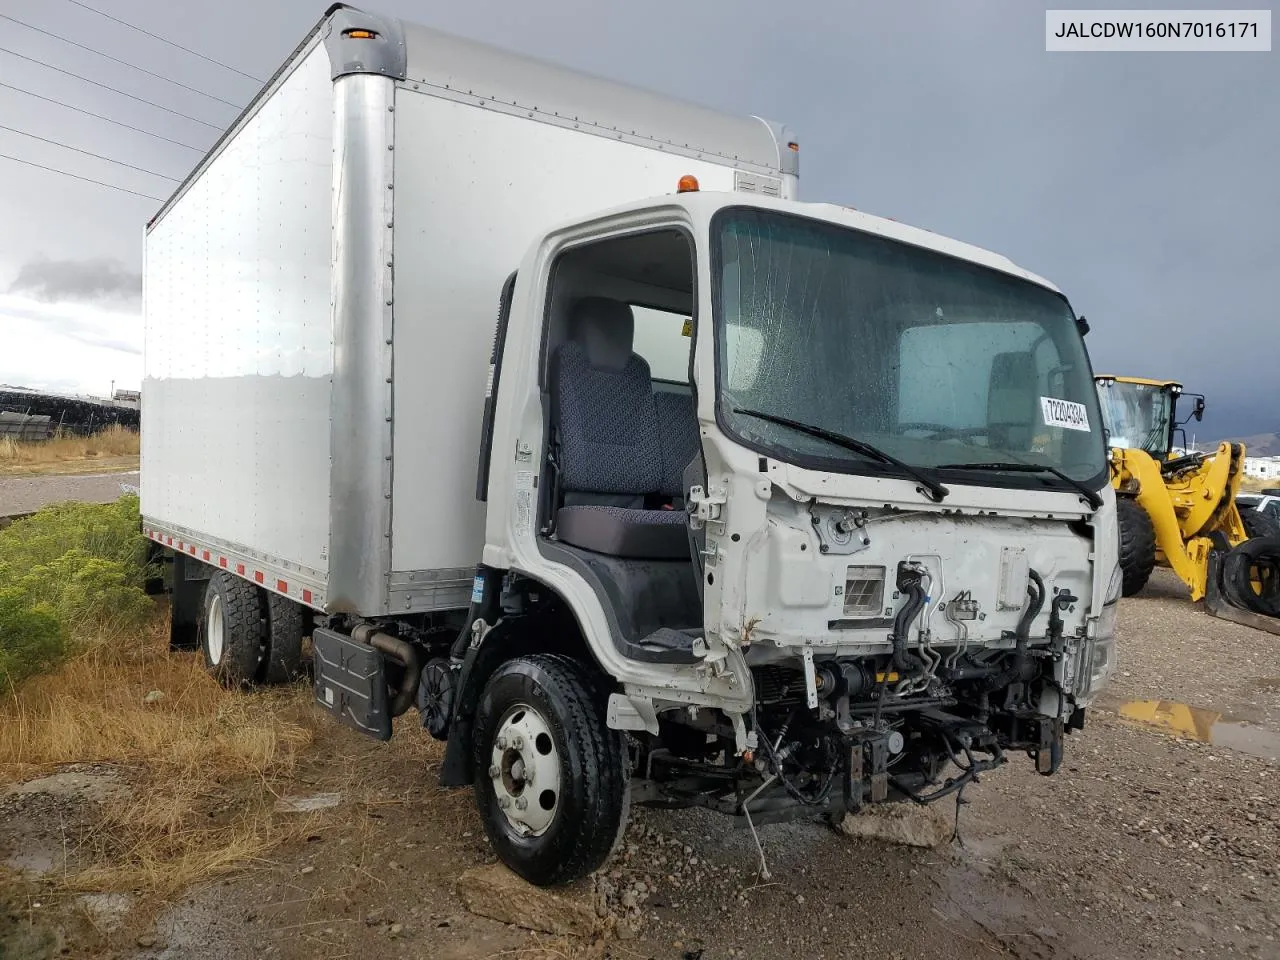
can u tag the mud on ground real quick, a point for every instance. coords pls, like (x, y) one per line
(1148, 843)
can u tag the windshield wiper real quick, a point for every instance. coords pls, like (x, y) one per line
(937, 492)
(1019, 466)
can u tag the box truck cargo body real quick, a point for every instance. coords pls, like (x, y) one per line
(542, 405)
(322, 291)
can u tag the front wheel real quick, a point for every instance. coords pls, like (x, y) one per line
(551, 777)
(1137, 545)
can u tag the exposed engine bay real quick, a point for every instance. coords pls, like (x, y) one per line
(917, 723)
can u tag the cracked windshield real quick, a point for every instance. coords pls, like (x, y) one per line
(932, 360)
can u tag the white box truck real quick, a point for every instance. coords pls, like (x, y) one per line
(541, 405)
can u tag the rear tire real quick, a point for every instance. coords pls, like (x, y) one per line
(1258, 524)
(541, 713)
(286, 626)
(1137, 545)
(233, 629)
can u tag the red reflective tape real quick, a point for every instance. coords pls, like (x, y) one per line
(191, 550)
(282, 586)
(169, 541)
(257, 575)
(205, 555)
(306, 596)
(222, 562)
(240, 569)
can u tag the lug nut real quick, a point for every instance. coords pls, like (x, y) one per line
(522, 803)
(504, 802)
(494, 772)
(502, 743)
(518, 743)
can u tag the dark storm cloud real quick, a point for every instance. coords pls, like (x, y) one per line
(1142, 184)
(82, 281)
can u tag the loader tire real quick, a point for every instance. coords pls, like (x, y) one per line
(1137, 545)
(1251, 575)
(233, 629)
(552, 780)
(1258, 524)
(286, 626)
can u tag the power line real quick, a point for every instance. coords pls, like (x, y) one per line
(98, 116)
(156, 36)
(76, 176)
(88, 153)
(123, 63)
(150, 103)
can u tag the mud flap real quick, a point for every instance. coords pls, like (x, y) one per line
(350, 682)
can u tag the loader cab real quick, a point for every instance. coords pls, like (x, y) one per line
(1141, 414)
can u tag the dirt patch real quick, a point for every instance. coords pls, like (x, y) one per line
(1146, 844)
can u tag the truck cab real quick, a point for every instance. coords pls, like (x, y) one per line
(823, 496)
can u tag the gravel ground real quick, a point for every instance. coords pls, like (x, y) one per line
(1144, 845)
(27, 494)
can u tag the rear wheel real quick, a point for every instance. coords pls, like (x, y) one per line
(551, 777)
(233, 629)
(1137, 545)
(286, 625)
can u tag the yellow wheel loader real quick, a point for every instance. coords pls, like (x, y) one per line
(1177, 507)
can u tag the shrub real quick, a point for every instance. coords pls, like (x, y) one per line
(32, 638)
(69, 573)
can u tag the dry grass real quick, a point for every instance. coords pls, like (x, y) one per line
(202, 762)
(1256, 485)
(106, 446)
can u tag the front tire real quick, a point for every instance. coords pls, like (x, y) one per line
(551, 778)
(233, 630)
(1137, 545)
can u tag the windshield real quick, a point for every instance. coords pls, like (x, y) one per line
(1137, 415)
(931, 359)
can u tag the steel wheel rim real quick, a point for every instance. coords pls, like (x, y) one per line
(214, 632)
(524, 769)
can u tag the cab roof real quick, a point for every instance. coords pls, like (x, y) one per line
(1142, 380)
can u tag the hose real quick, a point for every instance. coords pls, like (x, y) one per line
(907, 662)
(997, 680)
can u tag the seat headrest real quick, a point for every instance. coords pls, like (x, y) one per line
(606, 330)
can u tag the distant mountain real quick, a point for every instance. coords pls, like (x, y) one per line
(1261, 444)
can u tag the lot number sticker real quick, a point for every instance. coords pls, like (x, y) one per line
(1065, 414)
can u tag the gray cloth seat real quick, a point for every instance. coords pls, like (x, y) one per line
(678, 437)
(608, 441)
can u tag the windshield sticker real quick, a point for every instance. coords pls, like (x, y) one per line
(1065, 414)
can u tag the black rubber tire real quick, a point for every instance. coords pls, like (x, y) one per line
(244, 629)
(1258, 524)
(1257, 558)
(595, 775)
(1137, 545)
(286, 627)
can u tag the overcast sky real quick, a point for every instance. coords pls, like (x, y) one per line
(1147, 186)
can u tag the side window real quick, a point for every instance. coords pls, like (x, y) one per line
(663, 339)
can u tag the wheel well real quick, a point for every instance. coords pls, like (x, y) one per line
(535, 620)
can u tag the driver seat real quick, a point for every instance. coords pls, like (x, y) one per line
(609, 446)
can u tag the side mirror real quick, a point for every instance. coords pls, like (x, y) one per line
(1198, 412)
(1082, 325)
